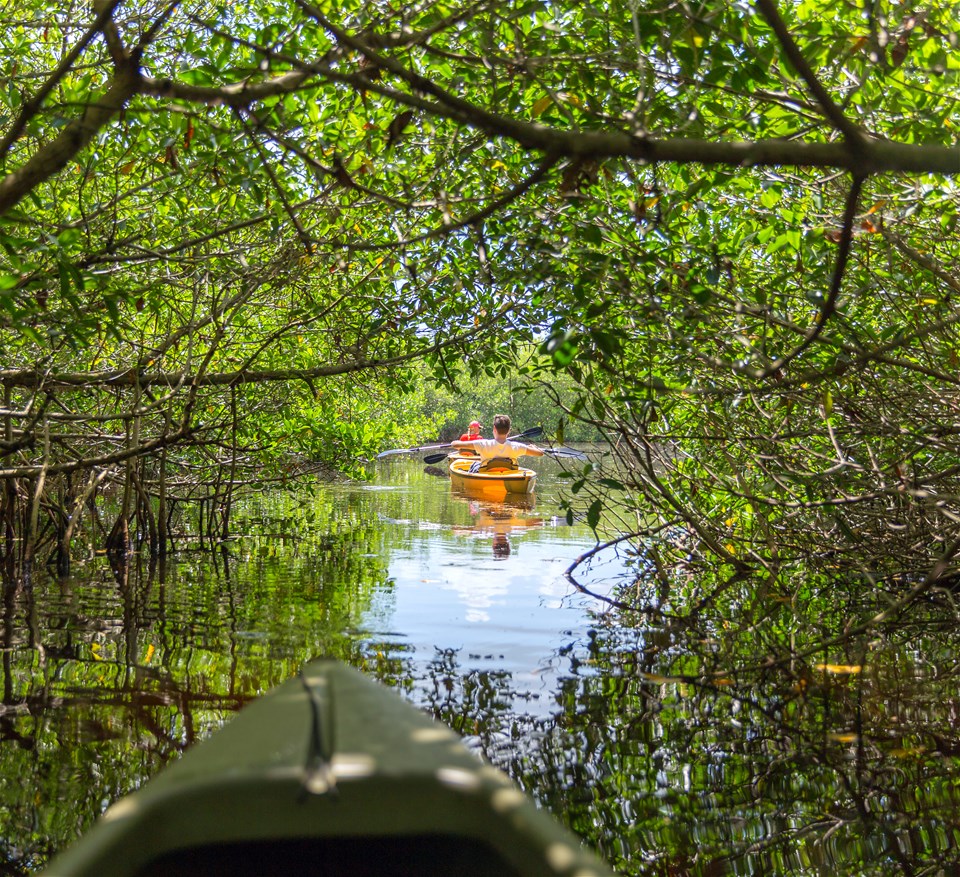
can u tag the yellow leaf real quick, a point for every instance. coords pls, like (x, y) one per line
(839, 669)
(150, 651)
(876, 206)
(541, 105)
(930, 301)
(909, 752)
(844, 738)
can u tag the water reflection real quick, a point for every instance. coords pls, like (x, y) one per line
(498, 520)
(113, 672)
(714, 736)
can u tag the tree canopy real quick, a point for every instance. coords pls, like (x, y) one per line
(230, 232)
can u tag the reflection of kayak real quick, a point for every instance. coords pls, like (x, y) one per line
(506, 523)
(331, 774)
(491, 483)
(500, 518)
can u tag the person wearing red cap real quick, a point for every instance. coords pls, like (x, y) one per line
(473, 432)
(498, 451)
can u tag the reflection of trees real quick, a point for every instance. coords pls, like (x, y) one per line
(713, 733)
(472, 702)
(716, 745)
(105, 680)
(697, 752)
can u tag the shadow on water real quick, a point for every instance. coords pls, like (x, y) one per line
(731, 727)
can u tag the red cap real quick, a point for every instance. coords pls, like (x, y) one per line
(476, 423)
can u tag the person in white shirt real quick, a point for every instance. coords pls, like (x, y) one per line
(499, 451)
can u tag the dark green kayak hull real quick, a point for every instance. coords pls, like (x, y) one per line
(333, 774)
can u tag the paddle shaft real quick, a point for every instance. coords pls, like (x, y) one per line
(565, 452)
(562, 453)
(393, 451)
(533, 432)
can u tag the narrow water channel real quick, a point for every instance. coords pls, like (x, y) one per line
(680, 742)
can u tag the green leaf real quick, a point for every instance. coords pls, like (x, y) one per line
(593, 514)
(612, 483)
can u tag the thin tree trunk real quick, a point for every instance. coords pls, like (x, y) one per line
(120, 536)
(162, 506)
(76, 512)
(146, 514)
(33, 517)
(8, 503)
(225, 534)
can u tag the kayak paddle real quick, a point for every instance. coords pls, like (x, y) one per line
(416, 450)
(572, 453)
(533, 432)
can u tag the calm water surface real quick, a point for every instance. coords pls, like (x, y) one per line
(676, 742)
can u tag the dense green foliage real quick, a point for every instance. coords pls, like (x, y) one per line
(241, 242)
(237, 238)
(509, 389)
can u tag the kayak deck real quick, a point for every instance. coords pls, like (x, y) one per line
(330, 774)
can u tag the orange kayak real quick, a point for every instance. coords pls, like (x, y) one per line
(491, 483)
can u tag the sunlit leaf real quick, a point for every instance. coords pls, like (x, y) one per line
(541, 105)
(843, 738)
(840, 669)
